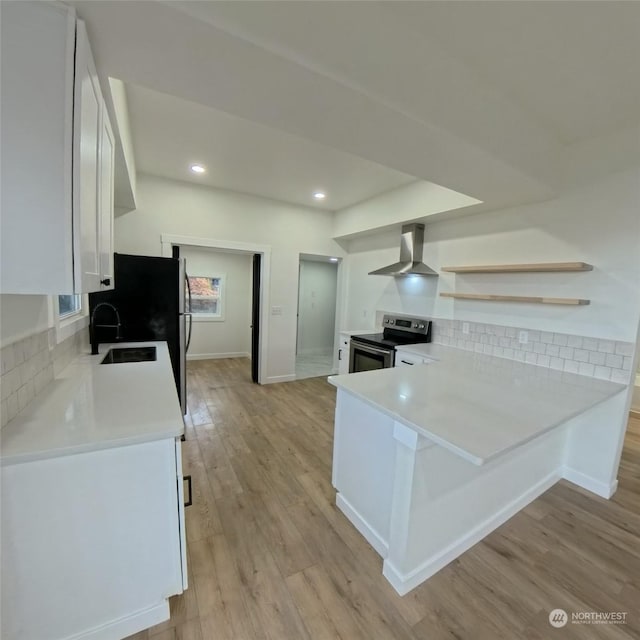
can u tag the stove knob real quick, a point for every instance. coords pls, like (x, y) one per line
(415, 325)
(392, 321)
(386, 321)
(421, 326)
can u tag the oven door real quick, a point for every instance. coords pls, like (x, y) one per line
(366, 357)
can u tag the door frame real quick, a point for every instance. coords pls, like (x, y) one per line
(168, 240)
(340, 299)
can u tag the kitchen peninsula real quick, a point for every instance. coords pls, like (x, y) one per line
(429, 459)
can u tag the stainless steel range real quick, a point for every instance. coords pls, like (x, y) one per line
(378, 350)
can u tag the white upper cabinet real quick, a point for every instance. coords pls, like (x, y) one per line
(56, 233)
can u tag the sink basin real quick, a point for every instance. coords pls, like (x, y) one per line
(130, 354)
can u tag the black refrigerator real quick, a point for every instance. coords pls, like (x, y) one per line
(151, 295)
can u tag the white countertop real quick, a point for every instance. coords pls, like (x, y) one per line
(90, 406)
(477, 406)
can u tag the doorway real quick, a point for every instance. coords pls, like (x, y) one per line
(316, 326)
(231, 301)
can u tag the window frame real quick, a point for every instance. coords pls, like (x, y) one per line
(68, 324)
(211, 317)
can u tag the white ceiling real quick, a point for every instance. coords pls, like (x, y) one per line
(169, 134)
(480, 97)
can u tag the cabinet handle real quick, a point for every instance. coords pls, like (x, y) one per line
(189, 502)
(106, 282)
(339, 354)
(409, 363)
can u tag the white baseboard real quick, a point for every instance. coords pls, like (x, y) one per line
(217, 356)
(369, 533)
(274, 379)
(124, 627)
(403, 583)
(589, 483)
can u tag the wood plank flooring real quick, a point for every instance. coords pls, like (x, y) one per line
(270, 556)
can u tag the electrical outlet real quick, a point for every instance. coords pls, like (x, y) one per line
(465, 327)
(523, 337)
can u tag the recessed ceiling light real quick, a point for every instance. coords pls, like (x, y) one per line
(318, 195)
(333, 259)
(197, 168)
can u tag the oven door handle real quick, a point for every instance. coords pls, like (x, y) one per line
(370, 349)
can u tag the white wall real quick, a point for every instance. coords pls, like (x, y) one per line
(180, 208)
(317, 307)
(598, 223)
(22, 316)
(231, 336)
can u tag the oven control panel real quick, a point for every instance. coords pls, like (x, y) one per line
(413, 325)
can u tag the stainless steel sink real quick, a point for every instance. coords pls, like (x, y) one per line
(130, 354)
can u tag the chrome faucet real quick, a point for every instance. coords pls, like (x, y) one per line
(92, 326)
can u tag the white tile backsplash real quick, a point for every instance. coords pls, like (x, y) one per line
(30, 364)
(606, 359)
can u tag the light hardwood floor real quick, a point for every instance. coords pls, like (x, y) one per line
(271, 557)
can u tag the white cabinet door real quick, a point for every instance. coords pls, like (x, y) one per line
(87, 134)
(37, 47)
(90, 543)
(106, 169)
(407, 360)
(57, 179)
(343, 353)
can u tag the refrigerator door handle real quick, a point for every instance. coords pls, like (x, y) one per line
(188, 313)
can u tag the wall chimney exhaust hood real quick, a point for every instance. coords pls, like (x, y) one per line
(410, 263)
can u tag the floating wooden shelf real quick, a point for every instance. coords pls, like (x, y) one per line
(523, 268)
(535, 299)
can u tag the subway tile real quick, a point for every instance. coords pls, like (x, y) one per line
(543, 360)
(586, 369)
(557, 363)
(570, 366)
(519, 355)
(618, 375)
(566, 353)
(498, 352)
(531, 357)
(478, 347)
(597, 357)
(510, 332)
(590, 344)
(560, 339)
(574, 341)
(504, 342)
(12, 405)
(487, 348)
(603, 373)
(7, 359)
(499, 330)
(581, 355)
(614, 361)
(624, 348)
(539, 347)
(606, 346)
(534, 336)
(546, 337)
(508, 352)
(626, 363)
(553, 350)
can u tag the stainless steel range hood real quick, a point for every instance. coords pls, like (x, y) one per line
(410, 263)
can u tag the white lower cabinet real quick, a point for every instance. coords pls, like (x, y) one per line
(404, 359)
(93, 544)
(343, 353)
